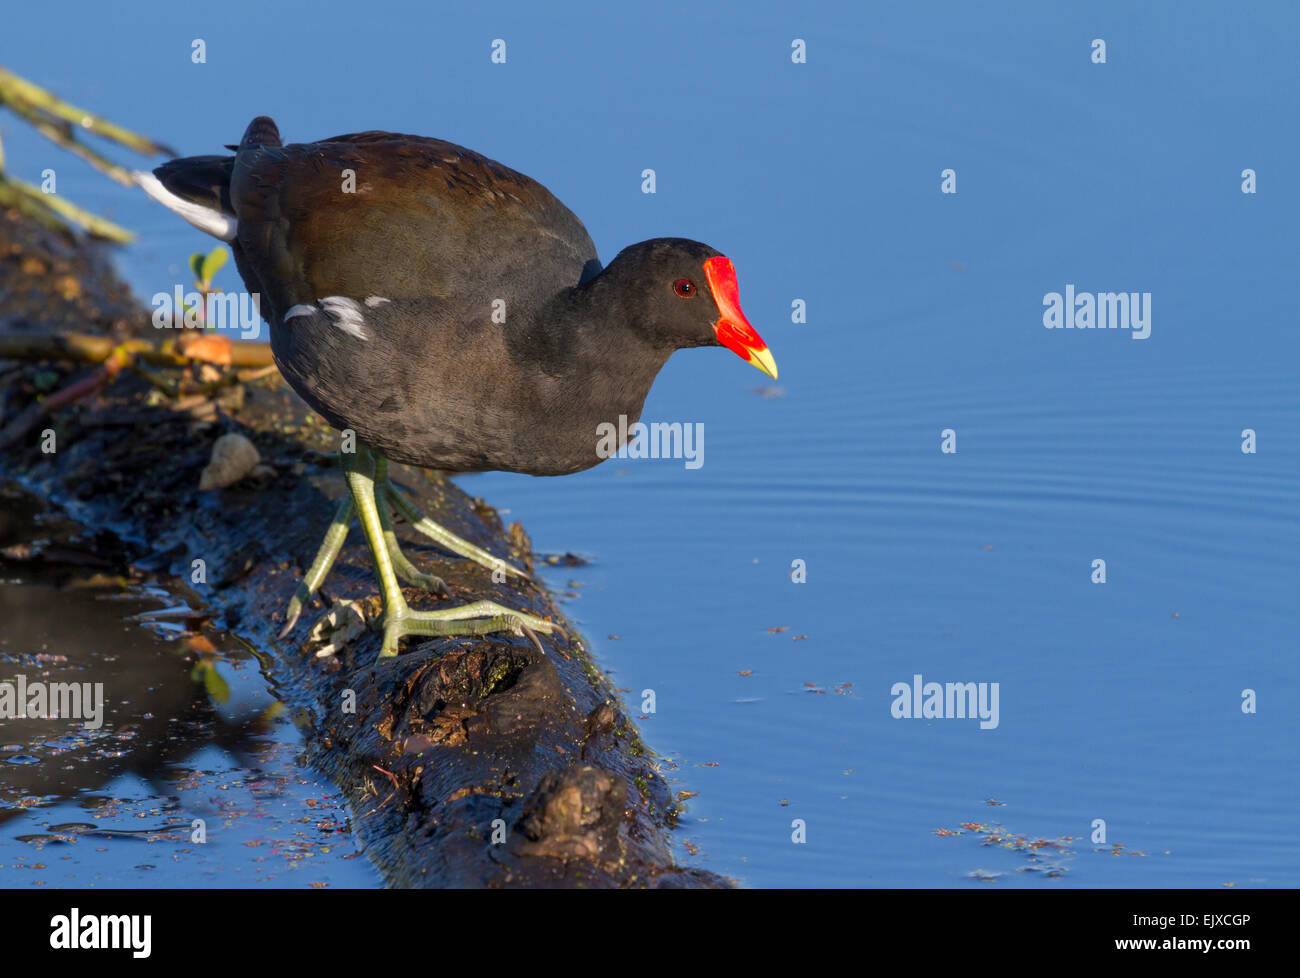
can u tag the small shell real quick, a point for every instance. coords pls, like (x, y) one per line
(233, 457)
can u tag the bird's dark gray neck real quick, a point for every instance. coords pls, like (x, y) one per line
(593, 348)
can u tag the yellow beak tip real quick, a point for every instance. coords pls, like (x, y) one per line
(762, 359)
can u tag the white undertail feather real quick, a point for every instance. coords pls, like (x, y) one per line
(300, 310)
(206, 219)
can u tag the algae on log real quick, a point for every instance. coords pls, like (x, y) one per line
(474, 762)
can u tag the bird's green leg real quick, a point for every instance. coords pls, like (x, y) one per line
(399, 619)
(325, 557)
(329, 551)
(413, 515)
(406, 570)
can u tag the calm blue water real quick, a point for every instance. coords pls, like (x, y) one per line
(1118, 701)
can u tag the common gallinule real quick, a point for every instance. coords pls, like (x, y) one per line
(454, 315)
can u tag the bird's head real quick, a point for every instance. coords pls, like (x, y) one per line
(685, 295)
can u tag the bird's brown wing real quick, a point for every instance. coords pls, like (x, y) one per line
(378, 214)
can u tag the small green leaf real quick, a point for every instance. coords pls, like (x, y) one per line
(196, 265)
(212, 264)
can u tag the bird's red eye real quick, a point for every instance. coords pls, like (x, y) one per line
(684, 287)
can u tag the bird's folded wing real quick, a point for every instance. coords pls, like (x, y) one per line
(373, 214)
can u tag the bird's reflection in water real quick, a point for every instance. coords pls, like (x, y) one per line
(187, 735)
(162, 698)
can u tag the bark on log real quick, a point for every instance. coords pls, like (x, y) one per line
(454, 740)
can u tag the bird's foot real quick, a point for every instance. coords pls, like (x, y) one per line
(371, 494)
(320, 567)
(444, 537)
(329, 551)
(478, 618)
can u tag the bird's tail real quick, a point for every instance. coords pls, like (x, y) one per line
(198, 187)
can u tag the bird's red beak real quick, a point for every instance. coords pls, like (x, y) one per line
(733, 329)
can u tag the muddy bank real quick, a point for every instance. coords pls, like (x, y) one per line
(467, 762)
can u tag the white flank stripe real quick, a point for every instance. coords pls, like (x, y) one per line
(376, 300)
(206, 219)
(346, 314)
(300, 310)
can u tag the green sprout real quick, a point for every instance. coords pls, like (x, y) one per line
(205, 267)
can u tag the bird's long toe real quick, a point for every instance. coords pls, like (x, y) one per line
(477, 618)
